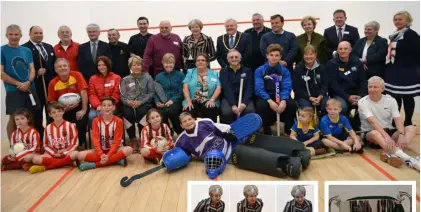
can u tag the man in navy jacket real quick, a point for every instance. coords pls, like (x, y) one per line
(88, 52)
(230, 78)
(233, 40)
(348, 82)
(286, 39)
(266, 91)
(339, 32)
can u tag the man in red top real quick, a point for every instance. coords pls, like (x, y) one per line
(71, 82)
(67, 48)
(160, 44)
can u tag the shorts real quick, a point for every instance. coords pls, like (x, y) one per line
(19, 99)
(316, 145)
(341, 137)
(390, 132)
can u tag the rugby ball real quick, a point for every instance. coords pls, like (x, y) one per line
(159, 141)
(69, 98)
(17, 148)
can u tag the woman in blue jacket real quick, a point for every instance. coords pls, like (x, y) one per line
(172, 83)
(201, 89)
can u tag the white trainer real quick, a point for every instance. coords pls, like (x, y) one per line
(414, 162)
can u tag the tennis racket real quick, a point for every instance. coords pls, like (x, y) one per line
(22, 71)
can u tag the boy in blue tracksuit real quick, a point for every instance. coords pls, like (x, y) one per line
(266, 93)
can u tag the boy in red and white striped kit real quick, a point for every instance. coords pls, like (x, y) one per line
(156, 137)
(60, 141)
(28, 136)
(107, 135)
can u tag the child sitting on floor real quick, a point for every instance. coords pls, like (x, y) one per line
(60, 142)
(338, 133)
(107, 135)
(304, 130)
(156, 137)
(26, 135)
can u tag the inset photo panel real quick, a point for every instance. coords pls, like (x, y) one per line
(370, 196)
(204, 196)
(297, 196)
(259, 196)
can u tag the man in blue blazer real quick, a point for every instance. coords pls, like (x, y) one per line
(233, 40)
(43, 58)
(340, 32)
(91, 50)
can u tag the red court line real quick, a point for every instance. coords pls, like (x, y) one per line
(205, 24)
(50, 190)
(381, 170)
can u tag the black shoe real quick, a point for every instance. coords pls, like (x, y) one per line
(267, 131)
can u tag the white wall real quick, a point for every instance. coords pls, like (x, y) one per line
(200, 192)
(266, 193)
(50, 15)
(283, 195)
(350, 191)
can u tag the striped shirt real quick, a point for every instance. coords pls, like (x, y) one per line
(30, 139)
(192, 48)
(107, 136)
(146, 141)
(205, 206)
(243, 206)
(294, 206)
(60, 139)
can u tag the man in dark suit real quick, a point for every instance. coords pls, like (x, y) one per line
(43, 58)
(256, 33)
(120, 54)
(340, 32)
(88, 52)
(233, 40)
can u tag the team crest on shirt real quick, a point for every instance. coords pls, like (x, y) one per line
(340, 125)
(354, 68)
(64, 132)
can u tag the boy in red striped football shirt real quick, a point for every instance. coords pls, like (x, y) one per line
(107, 135)
(28, 136)
(60, 141)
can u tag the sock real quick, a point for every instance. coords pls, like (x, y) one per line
(153, 155)
(112, 159)
(402, 155)
(55, 162)
(91, 157)
(408, 106)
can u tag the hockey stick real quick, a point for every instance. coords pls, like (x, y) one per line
(240, 95)
(278, 101)
(125, 181)
(43, 80)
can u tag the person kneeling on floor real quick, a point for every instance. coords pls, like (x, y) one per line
(107, 137)
(304, 130)
(60, 142)
(337, 131)
(377, 113)
(156, 137)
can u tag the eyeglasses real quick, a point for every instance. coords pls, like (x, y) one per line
(201, 60)
(234, 57)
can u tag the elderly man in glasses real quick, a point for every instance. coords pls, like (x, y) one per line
(230, 78)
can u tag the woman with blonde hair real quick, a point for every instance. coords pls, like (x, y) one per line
(310, 37)
(402, 75)
(137, 92)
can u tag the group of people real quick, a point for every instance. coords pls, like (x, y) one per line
(259, 70)
(251, 202)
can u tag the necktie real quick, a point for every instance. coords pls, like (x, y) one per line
(231, 41)
(43, 52)
(94, 52)
(340, 34)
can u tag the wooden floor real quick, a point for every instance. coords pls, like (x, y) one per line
(99, 189)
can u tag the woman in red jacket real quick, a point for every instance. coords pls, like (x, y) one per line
(103, 83)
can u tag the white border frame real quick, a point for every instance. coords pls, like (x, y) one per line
(413, 185)
(315, 185)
